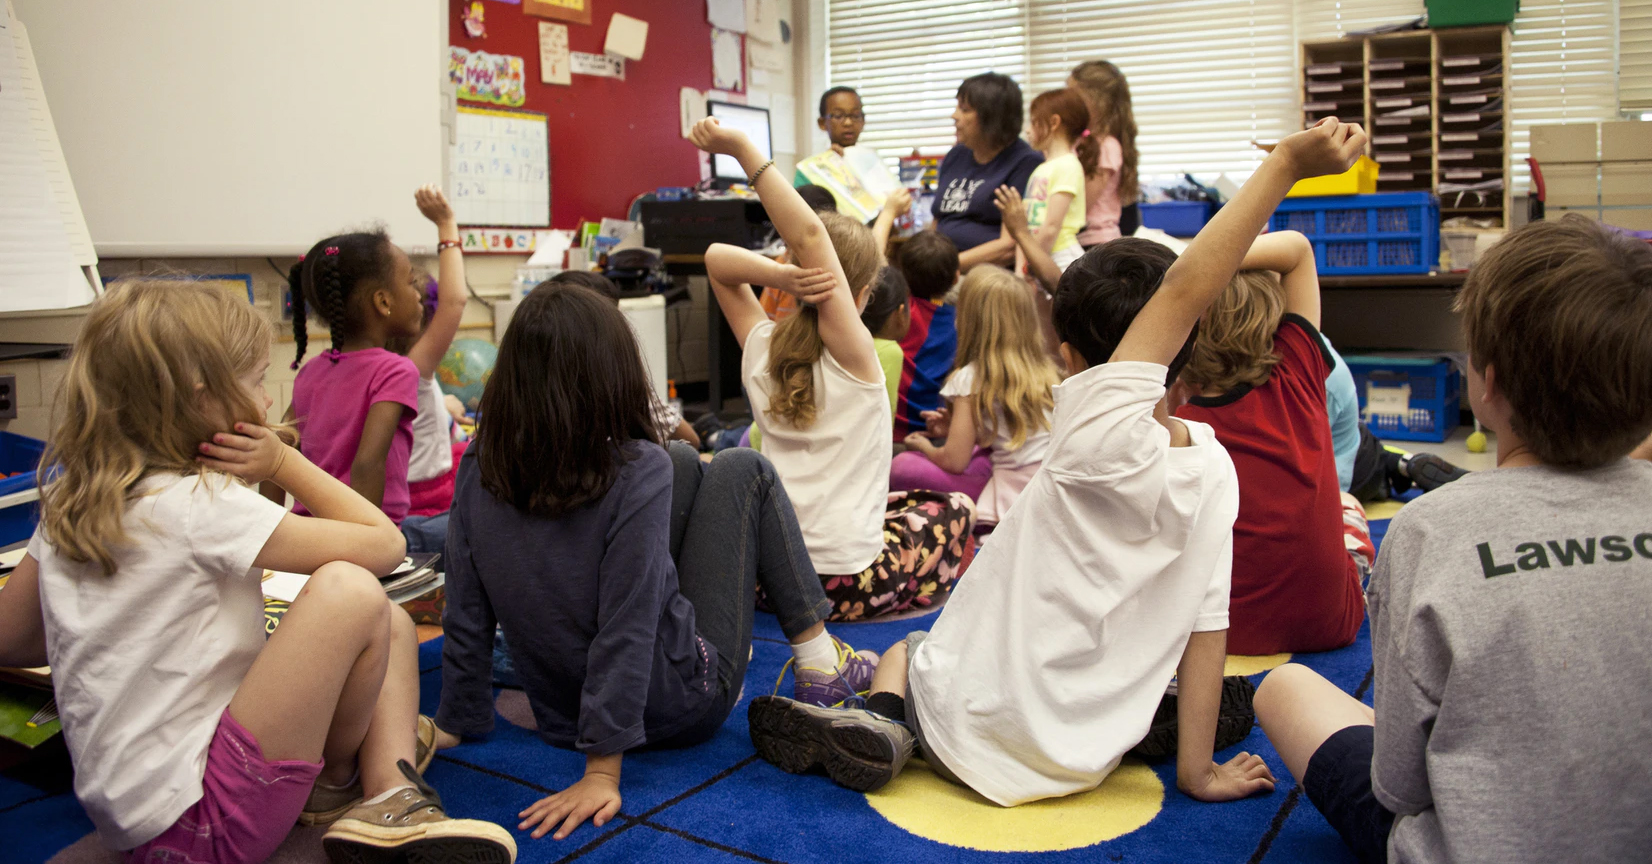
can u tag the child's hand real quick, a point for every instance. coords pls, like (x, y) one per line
(1330, 147)
(899, 201)
(595, 797)
(938, 422)
(809, 286)
(433, 204)
(710, 136)
(252, 453)
(1239, 777)
(1014, 211)
(920, 442)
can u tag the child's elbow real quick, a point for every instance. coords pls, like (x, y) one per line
(390, 548)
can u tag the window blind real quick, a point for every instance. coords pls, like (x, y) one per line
(1563, 70)
(1635, 55)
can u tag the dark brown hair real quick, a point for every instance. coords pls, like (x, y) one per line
(1563, 311)
(325, 281)
(929, 261)
(1068, 106)
(567, 391)
(1105, 86)
(996, 99)
(1101, 293)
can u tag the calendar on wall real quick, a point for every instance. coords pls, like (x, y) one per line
(501, 168)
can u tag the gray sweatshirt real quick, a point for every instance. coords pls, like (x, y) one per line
(1511, 626)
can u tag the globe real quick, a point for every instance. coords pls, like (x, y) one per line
(465, 370)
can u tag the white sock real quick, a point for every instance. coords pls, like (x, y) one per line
(385, 796)
(817, 653)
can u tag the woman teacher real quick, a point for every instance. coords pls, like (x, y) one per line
(989, 154)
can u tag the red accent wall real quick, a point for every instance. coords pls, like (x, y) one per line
(611, 140)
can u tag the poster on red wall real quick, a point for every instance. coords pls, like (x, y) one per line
(496, 79)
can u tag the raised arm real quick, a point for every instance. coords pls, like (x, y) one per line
(840, 326)
(1291, 255)
(427, 353)
(1200, 274)
(894, 207)
(1039, 263)
(733, 270)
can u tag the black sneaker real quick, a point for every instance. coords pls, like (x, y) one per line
(1430, 472)
(1233, 721)
(860, 750)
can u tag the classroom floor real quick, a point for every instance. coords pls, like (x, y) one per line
(719, 803)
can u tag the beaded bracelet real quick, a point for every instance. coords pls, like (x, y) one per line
(759, 173)
(447, 244)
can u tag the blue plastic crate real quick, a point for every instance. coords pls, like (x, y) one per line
(1421, 393)
(1176, 218)
(1366, 235)
(19, 457)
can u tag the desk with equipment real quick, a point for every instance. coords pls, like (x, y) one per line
(682, 228)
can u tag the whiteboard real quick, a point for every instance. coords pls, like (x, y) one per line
(204, 127)
(501, 166)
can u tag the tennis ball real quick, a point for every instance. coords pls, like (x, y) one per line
(1476, 442)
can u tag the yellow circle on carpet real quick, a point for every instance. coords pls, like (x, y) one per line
(1244, 664)
(925, 805)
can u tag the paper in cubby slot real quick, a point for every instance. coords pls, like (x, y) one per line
(1397, 64)
(1485, 78)
(1492, 111)
(1472, 100)
(1413, 111)
(1469, 61)
(1400, 83)
(1348, 85)
(1319, 70)
(1412, 157)
(1396, 176)
(1399, 120)
(1395, 139)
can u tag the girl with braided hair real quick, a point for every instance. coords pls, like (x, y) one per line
(354, 403)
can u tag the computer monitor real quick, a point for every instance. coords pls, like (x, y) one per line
(752, 121)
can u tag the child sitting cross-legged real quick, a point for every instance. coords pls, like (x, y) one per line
(818, 395)
(1108, 577)
(1509, 607)
(621, 572)
(1257, 376)
(997, 397)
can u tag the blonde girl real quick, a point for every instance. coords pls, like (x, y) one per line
(817, 394)
(999, 396)
(192, 737)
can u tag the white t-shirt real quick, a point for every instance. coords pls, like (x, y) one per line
(837, 471)
(1031, 452)
(432, 454)
(145, 661)
(1048, 661)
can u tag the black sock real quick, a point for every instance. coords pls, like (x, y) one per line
(887, 705)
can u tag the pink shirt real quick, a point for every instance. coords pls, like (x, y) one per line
(330, 402)
(1101, 217)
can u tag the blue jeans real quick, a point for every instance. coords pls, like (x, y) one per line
(426, 534)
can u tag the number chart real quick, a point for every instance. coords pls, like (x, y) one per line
(501, 168)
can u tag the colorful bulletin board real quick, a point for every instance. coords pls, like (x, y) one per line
(501, 168)
(610, 139)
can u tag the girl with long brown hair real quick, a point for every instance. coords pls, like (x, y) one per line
(1111, 191)
(817, 394)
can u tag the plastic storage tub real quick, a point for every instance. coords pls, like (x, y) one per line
(1358, 180)
(1367, 235)
(1407, 398)
(19, 493)
(1176, 218)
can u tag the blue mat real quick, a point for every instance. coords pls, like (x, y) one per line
(718, 802)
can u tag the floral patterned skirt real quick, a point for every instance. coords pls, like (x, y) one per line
(925, 535)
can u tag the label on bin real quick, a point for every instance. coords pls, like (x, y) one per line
(1387, 401)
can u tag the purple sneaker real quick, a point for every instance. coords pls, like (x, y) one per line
(829, 688)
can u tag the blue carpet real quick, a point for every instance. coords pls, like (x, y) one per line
(719, 803)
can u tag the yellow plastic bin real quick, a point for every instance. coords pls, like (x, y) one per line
(1358, 180)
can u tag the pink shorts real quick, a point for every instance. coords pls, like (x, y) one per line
(248, 805)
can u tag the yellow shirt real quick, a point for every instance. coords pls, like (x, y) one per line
(1054, 176)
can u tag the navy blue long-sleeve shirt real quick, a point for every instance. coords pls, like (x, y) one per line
(604, 644)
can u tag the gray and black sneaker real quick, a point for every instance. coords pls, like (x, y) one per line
(1233, 721)
(1430, 472)
(860, 750)
(412, 826)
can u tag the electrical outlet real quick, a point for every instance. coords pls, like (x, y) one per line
(8, 397)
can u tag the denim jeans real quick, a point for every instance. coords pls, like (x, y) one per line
(732, 529)
(426, 534)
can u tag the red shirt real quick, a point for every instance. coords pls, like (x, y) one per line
(1295, 588)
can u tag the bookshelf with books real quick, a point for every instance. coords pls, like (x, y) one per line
(1435, 103)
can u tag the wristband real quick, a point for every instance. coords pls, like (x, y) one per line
(759, 173)
(447, 244)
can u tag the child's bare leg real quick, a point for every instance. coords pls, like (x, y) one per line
(313, 691)
(392, 733)
(891, 674)
(1299, 709)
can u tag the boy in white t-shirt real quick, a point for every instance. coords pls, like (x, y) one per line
(1108, 577)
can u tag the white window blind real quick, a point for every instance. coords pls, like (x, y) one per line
(1635, 55)
(1564, 70)
(907, 57)
(1207, 77)
(1325, 20)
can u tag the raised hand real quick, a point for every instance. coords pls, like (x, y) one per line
(710, 136)
(1329, 147)
(811, 286)
(433, 204)
(899, 201)
(1009, 203)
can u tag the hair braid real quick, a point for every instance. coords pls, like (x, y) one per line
(295, 290)
(327, 277)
